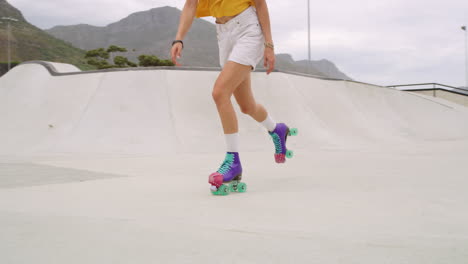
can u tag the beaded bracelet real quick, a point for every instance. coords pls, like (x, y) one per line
(269, 45)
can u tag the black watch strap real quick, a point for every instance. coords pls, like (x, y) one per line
(178, 41)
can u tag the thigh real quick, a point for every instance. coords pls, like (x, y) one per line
(232, 75)
(244, 95)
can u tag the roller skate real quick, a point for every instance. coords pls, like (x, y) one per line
(230, 172)
(280, 136)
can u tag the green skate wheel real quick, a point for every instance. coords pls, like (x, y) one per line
(289, 154)
(222, 190)
(241, 187)
(293, 131)
(233, 186)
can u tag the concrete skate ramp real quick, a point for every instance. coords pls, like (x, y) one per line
(112, 167)
(171, 111)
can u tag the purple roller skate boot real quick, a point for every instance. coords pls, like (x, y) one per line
(280, 136)
(230, 172)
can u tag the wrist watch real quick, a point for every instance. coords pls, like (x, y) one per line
(178, 41)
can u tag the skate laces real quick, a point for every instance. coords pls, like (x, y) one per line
(277, 142)
(226, 165)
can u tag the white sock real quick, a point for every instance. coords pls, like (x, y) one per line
(232, 142)
(269, 123)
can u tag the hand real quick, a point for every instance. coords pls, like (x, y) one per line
(269, 62)
(176, 53)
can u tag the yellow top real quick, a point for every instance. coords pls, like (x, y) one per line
(220, 8)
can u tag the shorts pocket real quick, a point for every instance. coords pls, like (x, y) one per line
(220, 33)
(255, 29)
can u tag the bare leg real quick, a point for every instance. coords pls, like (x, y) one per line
(232, 75)
(246, 101)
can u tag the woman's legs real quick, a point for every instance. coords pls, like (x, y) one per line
(246, 101)
(235, 79)
(231, 169)
(232, 75)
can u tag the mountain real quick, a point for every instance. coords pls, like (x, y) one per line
(327, 67)
(31, 43)
(148, 32)
(152, 32)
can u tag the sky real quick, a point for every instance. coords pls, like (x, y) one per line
(383, 42)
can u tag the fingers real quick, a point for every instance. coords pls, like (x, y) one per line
(176, 53)
(178, 57)
(265, 65)
(272, 67)
(173, 54)
(269, 65)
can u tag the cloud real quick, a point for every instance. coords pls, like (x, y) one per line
(382, 42)
(49, 13)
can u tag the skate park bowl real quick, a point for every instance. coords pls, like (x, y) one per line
(112, 167)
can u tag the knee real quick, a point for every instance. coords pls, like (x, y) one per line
(219, 96)
(248, 109)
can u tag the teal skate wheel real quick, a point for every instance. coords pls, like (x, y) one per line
(222, 190)
(233, 186)
(289, 154)
(241, 187)
(293, 131)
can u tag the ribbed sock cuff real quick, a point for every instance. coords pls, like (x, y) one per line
(269, 123)
(232, 142)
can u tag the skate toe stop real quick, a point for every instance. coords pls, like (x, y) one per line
(216, 179)
(280, 158)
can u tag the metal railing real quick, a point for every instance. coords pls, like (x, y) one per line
(430, 87)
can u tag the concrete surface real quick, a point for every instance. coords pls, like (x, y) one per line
(453, 97)
(112, 167)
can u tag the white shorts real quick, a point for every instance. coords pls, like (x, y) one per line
(241, 39)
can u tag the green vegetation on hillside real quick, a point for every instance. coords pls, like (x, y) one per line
(99, 58)
(28, 42)
(151, 60)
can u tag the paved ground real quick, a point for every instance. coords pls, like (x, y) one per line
(13, 175)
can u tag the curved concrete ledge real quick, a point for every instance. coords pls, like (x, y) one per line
(54, 72)
(146, 111)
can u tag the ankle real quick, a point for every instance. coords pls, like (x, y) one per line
(269, 123)
(232, 142)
